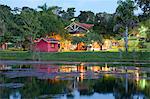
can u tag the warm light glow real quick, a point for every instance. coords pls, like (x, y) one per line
(95, 68)
(137, 76)
(78, 34)
(81, 76)
(105, 68)
(81, 69)
(65, 69)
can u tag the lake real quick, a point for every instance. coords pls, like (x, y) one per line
(46, 81)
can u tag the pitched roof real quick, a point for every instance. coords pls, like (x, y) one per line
(48, 40)
(87, 26)
(83, 25)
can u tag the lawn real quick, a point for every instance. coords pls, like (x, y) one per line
(106, 56)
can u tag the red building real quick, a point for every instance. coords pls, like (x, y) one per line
(46, 45)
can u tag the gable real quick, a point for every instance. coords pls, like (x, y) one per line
(78, 27)
(46, 40)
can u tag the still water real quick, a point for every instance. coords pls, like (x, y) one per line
(74, 82)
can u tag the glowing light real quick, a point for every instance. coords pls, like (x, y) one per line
(96, 68)
(137, 76)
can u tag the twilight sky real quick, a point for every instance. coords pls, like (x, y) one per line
(108, 6)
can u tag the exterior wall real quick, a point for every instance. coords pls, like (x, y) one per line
(3, 46)
(107, 44)
(41, 46)
(44, 46)
(53, 47)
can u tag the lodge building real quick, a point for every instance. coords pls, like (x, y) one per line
(55, 44)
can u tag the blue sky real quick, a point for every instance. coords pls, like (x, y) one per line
(108, 6)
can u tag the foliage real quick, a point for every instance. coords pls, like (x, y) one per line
(2, 27)
(104, 24)
(94, 37)
(86, 17)
(145, 28)
(68, 15)
(145, 7)
(125, 13)
(76, 40)
(125, 17)
(141, 45)
(21, 26)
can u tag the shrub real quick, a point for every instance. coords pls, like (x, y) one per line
(141, 45)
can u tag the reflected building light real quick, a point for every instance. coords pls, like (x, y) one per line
(57, 77)
(74, 68)
(95, 68)
(82, 64)
(143, 82)
(137, 75)
(81, 69)
(65, 69)
(55, 80)
(80, 78)
(105, 68)
(137, 68)
(68, 69)
(5, 67)
(90, 68)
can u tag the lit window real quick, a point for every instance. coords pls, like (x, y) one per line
(52, 45)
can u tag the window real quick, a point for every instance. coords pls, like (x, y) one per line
(52, 45)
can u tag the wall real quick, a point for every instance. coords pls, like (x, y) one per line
(53, 49)
(41, 46)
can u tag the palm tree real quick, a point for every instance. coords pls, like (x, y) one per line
(43, 7)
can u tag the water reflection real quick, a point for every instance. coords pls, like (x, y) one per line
(72, 81)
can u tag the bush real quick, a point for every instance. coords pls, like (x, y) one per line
(141, 45)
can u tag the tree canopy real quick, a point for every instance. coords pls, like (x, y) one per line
(23, 25)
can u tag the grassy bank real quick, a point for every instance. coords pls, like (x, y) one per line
(76, 56)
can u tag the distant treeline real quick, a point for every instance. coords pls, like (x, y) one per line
(22, 25)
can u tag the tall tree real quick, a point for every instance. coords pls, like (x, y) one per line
(145, 7)
(2, 27)
(68, 15)
(71, 13)
(50, 23)
(29, 25)
(56, 10)
(86, 17)
(6, 23)
(104, 24)
(43, 7)
(125, 17)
